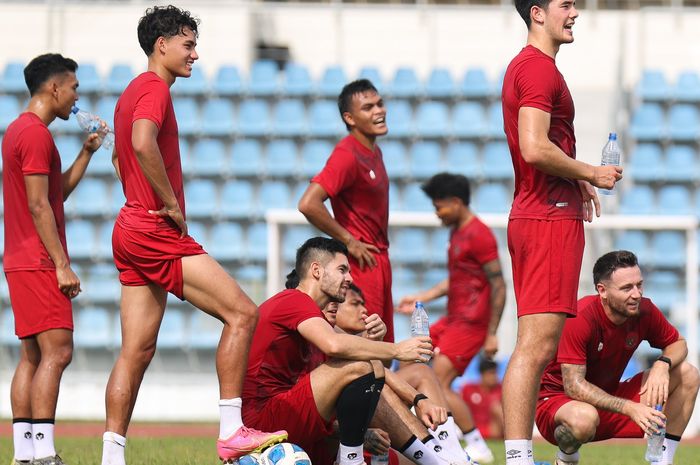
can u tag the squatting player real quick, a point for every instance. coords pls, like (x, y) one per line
(582, 399)
(553, 194)
(154, 253)
(356, 181)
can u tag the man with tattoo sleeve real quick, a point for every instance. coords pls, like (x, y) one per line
(581, 398)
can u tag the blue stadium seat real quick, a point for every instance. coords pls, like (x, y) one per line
(118, 78)
(497, 163)
(187, 113)
(439, 242)
(468, 120)
(90, 198)
(492, 198)
(292, 238)
(639, 200)
(668, 249)
(281, 159)
(410, 245)
(257, 241)
(664, 288)
(395, 159)
(675, 200)
(102, 284)
(475, 84)
(237, 199)
(289, 118)
(332, 81)
(226, 241)
(462, 158)
(681, 164)
(116, 198)
(432, 120)
(687, 88)
(186, 158)
(683, 123)
(405, 84)
(325, 120)
(415, 200)
(646, 164)
(93, 328)
(495, 121)
(173, 330)
(88, 78)
(198, 231)
(69, 147)
(426, 159)
(204, 332)
(13, 78)
(103, 246)
(697, 202)
(80, 236)
(105, 109)
(218, 118)
(399, 118)
(264, 78)
(209, 158)
(254, 118)
(7, 328)
(9, 110)
(274, 194)
(196, 84)
(394, 197)
(653, 86)
(314, 154)
(246, 158)
(201, 199)
(648, 123)
(297, 81)
(374, 76)
(440, 84)
(228, 81)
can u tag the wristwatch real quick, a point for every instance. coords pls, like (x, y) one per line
(663, 358)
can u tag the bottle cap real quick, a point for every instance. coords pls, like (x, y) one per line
(419, 303)
(612, 136)
(74, 109)
(658, 407)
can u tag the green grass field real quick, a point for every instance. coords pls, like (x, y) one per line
(198, 451)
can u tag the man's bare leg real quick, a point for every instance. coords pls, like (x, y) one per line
(20, 398)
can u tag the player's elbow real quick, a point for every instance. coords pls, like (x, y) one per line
(308, 205)
(37, 206)
(532, 154)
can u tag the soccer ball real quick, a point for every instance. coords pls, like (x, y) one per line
(250, 459)
(284, 453)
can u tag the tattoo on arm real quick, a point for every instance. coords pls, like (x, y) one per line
(566, 440)
(576, 387)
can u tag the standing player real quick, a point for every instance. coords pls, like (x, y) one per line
(476, 294)
(484, 400)
(356, 181)
(582, 399)
(37, 267)
(154, 253)
(553, 194)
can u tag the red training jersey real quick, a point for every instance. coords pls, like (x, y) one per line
(480, 401)
(146, 97)
(533, 80)
(593, 340)
(356, 182)
(28, 148)
(279, 355)
(469, 292)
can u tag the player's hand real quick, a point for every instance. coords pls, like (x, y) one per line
(591, 202)
(377, 441)
(655, 390)
(606, 176)
(93, 142)
(174, 214)
(362, 252)
(68, 281)
(431, 414)
(417, 349)
(647, 418)
(491, 346)
(375, 329)
(407, 304)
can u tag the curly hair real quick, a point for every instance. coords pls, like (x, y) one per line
(163, 21)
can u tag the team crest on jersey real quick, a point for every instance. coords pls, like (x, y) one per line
(372, 175)
(631, 340)
(600, 346)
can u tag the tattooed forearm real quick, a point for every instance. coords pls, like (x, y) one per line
(566, 440)
(576, 387)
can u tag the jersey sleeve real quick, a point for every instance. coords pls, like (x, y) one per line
(298, 309)
(486, 249)
(339, 172)
(152, 103)
(661, 332)
(538, 85)
(35, 146)
(574, 341)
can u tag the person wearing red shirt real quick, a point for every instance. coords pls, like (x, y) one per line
(582, 398)
(476, 295)
(554, 192)
(355, 180)
(279, 389)
(484, 400)
(154, 252)
(37, 267)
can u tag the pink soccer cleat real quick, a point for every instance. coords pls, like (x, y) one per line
(245, 441)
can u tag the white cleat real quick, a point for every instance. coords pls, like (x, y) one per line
(480, 455)
(558, 461)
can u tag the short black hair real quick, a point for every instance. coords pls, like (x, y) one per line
(163, 21)
(353, 287)
(292, 280)
(313, 249)
(446, 185)
(355, 87)
(606, 265)
(43, 67)
(486, 364)
(524, 7)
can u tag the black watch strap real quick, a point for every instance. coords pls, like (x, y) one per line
(663, 358)
(418, 398)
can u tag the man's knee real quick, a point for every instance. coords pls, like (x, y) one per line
(59, 355)
(582, 422)
(539, 351)
(242, 313)
(689, 376)
(377, 368)
(139, 356)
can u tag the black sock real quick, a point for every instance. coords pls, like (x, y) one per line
(355, 408)
(673, 437)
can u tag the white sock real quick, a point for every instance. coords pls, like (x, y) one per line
(22, 440)
(568, 457)
(447, 438)
(43, 440)
(519, 452)
(350, 455)
(113, 446)
(230, 416)
(475, 439)
(670, 446)
(420, 453)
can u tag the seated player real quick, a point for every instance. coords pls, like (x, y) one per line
(581, 398)
(484, 400)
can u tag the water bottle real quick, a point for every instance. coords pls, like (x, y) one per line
(381, 459)
(611, 156)
(92, 123)
(655, 443)
(420, 326)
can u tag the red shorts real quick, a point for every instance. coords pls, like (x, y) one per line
(458, 340)
(546, 260)
(37, 302)
(144, 257)
(295, 411)
(612, 425)
(375, 284)
(393, 457)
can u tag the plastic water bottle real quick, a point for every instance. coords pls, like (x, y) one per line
(92, 123)
(611, 156)
(420, 326)
(655, 443)
(381, 459)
